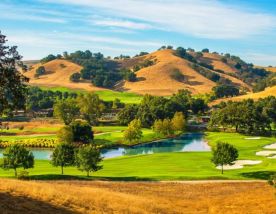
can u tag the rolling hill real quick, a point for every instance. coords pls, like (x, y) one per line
(156, 79)
(58, 74)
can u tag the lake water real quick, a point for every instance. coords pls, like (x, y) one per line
(186, 142)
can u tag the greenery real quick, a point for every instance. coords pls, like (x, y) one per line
(15, 156)
(163, 127)
(177, 75)
(40, 71)
(224, 154)
(63, 156)
(88, 158)
(225, 91)
(66, 110)
(246, 117)
(133, 133)
(82, 132)
(12, 83)
(75, 77)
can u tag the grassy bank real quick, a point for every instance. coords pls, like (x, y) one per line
(170, 166)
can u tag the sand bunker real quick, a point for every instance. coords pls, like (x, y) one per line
(252, 138)
(239, 164)
(272, 157)
(271, 146)
(266, 153)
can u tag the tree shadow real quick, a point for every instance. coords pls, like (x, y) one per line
(11, 204)
(264, 175)
(85, 178)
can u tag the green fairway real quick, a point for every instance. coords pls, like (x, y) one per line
(106, 95)
(171, 166)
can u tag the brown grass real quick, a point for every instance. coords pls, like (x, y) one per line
(59, 76)
(135, 197)
(271, 91)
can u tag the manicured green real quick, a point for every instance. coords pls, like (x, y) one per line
(106, 95)
(171, 166)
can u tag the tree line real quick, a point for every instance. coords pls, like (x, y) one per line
(247, 116)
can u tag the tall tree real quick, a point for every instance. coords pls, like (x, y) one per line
(63, 156)
(88, 158)
(178, 122)
(223, 154)
(91, 107)
(66, 110)
(15, 156)
(12, 83)
(134, 131)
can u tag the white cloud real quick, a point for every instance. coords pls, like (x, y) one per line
(200, 18)
(121, 24)
(260, 58)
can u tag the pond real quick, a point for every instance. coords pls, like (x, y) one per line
(186, 142)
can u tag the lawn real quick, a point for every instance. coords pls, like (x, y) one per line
(106, 95)
(171, 166)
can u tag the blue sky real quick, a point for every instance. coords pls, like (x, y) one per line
(240, 27)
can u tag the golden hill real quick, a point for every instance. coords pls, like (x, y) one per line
(157, 80)
(58, 74)
(68, 197)
(271, 69)
(271, 91)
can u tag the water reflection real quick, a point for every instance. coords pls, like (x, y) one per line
(186, 142)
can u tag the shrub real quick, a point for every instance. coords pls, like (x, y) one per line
(75, 77)
(177, 75)
(23, 175)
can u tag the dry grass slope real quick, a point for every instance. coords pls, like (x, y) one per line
(271, 91)
(135, 197)
(58, 73)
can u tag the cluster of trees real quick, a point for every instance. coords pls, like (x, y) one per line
(144, 64)
(168, 127)
(262, 84)
(38, 99)
(177, 75)
(85, 158)
(153, 108)
(87, 106)
(13, 85)
(225, 91)
(246, 117)
(49, 58)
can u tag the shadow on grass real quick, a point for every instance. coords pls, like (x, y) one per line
(98, 178)
(21, 204)
(264, 175)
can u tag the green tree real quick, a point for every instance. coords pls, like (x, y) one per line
(178, 122)
(88, 158)
(91, 107)
(127, 114)
(75, 77)
(163, 127)
(63, 156)
(134, 131)
(40, 71)
(13, 86)
(66, 110)
(65, 135)
(223, 154)
(82, 131)
(15, 156)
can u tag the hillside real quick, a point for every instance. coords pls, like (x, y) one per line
(58, 72)
(271, 91)
(135, 197)
(157, 80)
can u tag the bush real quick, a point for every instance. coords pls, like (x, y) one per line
(40, 71)
(177, 75)
(23, 175)
(75, 77)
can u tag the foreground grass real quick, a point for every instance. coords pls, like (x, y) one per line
(68, 197)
